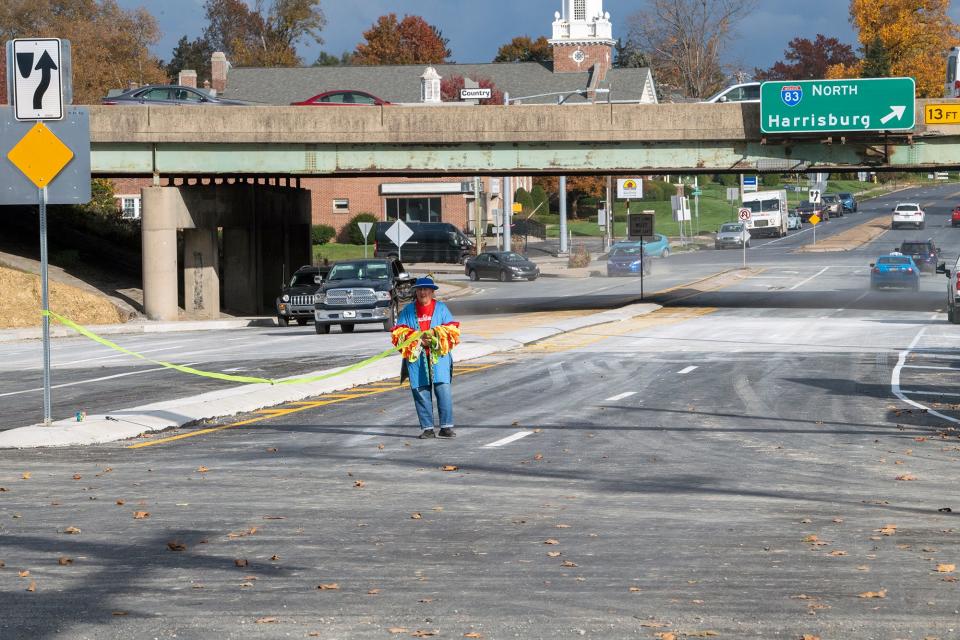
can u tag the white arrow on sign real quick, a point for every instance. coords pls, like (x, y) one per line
(895, 112)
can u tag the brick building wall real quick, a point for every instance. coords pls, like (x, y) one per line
(3, 70)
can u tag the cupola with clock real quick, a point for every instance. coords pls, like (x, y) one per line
(582, 37)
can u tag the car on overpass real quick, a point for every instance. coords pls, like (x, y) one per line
(168, 94)
(895, 270)
(743, 92)
(908, 213)
(347, 98)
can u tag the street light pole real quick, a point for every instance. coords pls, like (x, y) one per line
(563, 215)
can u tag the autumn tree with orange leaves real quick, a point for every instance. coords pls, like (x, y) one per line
(409, 41)
(578, 187)
(912, 34)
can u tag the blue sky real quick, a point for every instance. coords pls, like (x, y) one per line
(477, 29)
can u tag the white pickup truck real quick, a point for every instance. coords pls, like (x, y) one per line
(768, 213)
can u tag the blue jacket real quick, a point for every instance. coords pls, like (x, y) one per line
(418, 371)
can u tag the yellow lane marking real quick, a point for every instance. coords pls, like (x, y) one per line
(591, 335)
(297, 407)
(496, 326)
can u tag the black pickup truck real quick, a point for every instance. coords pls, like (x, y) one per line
(368, 291)
(295, 302)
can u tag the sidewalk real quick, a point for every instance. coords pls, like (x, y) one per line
(128, 423)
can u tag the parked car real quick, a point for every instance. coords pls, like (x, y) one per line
(848, 201)
(925, 253)
(908, 213)
(627, 261)
(364, 291)
(953, 290)
(349, 98)
(732, 234)
(794, 221)
(657, 246)
(894, 270)
(430, 242)
(955, 216)
(296, 299)
(501, 265)
(168, 94)
(806, 209)
(744, 92)
(830, 204)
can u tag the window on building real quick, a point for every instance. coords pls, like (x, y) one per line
(130, 206)
(414, 209)
(341, 205)
(579, 9)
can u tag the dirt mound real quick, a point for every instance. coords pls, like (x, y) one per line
(20, 302)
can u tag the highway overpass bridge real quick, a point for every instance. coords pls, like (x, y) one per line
(260, 227)
(519, 140)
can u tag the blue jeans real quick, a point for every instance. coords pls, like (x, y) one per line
(424, 403)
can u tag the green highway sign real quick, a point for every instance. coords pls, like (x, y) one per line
(823, 106)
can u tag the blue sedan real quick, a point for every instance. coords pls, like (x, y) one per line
(627, 261)
(895, 270)
(656, 246)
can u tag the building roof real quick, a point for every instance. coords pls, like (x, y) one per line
(401, 83)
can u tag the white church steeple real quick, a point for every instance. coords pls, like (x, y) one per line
(582, 37)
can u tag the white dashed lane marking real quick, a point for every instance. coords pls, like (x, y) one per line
(686, 370)
(508, 439)
(621, 396)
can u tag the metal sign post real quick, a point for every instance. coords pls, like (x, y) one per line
(38, 74)
(365, 230)
(744, 214)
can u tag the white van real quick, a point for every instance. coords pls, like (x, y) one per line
(768, 213)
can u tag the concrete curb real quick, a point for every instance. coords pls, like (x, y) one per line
(158, 416)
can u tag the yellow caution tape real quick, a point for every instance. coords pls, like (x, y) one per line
(223, 376)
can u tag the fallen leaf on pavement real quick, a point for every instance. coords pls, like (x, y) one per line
(397, 630)
(32, 587)
(274, 517)
(272, 450)
(450, 467)
(359, 484)
(71, 531)
(946, 568)
(567, 563)
(709, 633)
(838, 520)
(538, 456)
(64, 561)
(120, 503)
(274, 558)
(806, 521)
(423, 633)
(807, 636)
(118, 613)
(838, 553)
(906, 477)
(874, 594)
(665, 635)
(887, 529)
(553, 554)
(437, 509)
(373, 592)
(416, 516)
(473, 634)
(141, 515)
(863, 567)
(25, 475)
(202, 469)
(3, 489)
(241, 562)
(24, 573)
(551, 541)
(242, 534)
(332, 586)
(77, 476)
(265, 620)
(634, 589)
(562, 526)
(176, 546)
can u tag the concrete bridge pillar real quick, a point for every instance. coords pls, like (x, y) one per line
(201, 278)
(240, 270)
(159, 229)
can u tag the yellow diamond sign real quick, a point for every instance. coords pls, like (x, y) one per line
(814, 219)
(40, 155)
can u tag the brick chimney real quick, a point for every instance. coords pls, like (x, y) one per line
(218, 71)
(187, 78)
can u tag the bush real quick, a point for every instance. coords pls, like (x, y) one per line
(727, 179)
(351, 233)
(540, 199)
(771, 180)
(523, 197)
(322, 233)
(579, 257)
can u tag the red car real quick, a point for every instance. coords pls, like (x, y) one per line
(955, 217)
(342, 99)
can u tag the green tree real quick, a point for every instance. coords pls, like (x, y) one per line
(263, 36)
(189, 54)
(329, 60)
(876, 60)
(627, 55)
(540, 199)
(523, 197)
(523, 49)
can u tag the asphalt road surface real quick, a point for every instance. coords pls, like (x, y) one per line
(773, 455)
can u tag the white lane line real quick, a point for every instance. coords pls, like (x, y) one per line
(79, 382)
(116, 355)
(932, 393)
(895, 381)
(803, 282)
(920, 366)
(621, 396)
(508, 439)
(686, 370)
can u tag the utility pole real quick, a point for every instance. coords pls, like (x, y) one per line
(507, 212)
(564, 249)
(477, 209)
(608, 241)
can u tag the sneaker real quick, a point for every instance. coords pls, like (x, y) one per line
(447, 432)
(426, 434)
